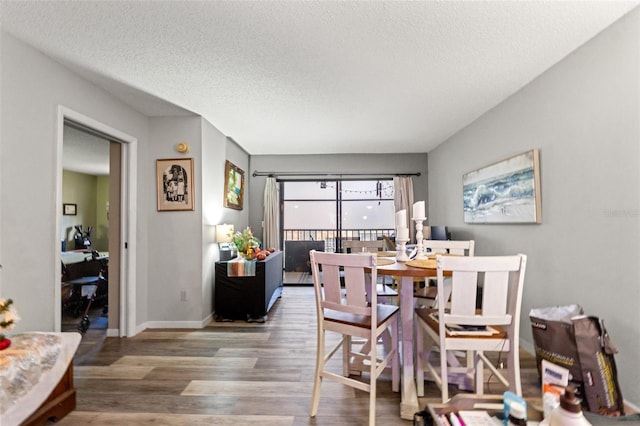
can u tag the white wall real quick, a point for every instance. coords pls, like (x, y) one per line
(214, 153)
(332, 163)
(172, 252)
(583, 115)
(175, 241)
(32, 87)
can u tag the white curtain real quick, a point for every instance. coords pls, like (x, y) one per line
(403, 200)
(271, 214)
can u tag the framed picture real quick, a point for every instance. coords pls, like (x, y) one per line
(504, 192)
(234, 186)
(175, 185)
(69, 209)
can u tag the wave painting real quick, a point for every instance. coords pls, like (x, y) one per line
(504, 192)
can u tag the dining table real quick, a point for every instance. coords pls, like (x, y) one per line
(405, 275)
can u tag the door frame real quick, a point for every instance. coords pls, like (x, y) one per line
(128, 213)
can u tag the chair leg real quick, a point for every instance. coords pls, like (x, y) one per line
(386, 339)
(479, 370)
(419, 359)
(444, 375)
(317, 380)
(515, 384)
(395, 366)
(346, 355)
(373, 379)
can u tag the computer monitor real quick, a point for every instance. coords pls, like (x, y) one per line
(439, 233)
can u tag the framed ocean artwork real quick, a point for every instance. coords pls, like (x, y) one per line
(504, 192)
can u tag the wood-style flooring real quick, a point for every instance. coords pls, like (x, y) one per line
(229, 373)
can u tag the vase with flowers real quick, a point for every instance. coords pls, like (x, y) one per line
(8, 318)
(246, 243)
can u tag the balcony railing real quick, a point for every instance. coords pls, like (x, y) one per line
(332, 238)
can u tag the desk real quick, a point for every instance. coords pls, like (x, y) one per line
(409, 403)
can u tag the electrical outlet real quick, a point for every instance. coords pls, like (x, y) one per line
(183, 295)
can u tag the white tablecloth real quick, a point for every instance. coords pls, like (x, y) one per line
(29, 371)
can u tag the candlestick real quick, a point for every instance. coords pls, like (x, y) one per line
(420, 253)
(402, 233)
(401, 218)
(418, 210)
(401, 256)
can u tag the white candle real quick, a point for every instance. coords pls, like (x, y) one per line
(403, 233)
(418, 210)
(401, 218)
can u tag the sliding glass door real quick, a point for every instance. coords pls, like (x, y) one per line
(321, 214)
(366, 209)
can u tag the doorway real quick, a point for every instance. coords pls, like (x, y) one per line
(90, 186)
(118, 206)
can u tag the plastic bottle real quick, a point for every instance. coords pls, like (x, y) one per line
(569, 413)
(517, 414)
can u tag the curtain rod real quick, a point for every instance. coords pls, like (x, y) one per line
(336, 174)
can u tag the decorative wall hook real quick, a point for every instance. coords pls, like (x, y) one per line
(182, 147)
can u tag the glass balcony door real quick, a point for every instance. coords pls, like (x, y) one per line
(333, 210)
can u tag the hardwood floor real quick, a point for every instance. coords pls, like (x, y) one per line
(229, 373)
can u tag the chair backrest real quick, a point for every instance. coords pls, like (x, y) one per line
(501, 279)
(356, 246)
(439, 233)
(389, 243)
(460, 248)
(359, 271)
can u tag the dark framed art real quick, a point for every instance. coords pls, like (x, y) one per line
(69, 209)
(175, 185)
(234, 186)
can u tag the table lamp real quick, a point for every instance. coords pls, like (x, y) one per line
(224, 236)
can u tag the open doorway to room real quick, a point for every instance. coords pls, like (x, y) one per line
(122, 227)
(86, 223)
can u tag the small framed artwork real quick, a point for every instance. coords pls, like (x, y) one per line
(69, 209)
(504, 192)
(234, 186)
(175, 185)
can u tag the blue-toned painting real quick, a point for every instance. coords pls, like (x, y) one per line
(504, 192)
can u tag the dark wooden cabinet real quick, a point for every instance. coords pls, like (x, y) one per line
(248, 298)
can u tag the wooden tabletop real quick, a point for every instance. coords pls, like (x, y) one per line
(401, 269)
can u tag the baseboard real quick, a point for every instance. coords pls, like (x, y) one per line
(177, 324)
(630, 408)
(528, 347)
(140, 328)
(207, 320)
(113, 332)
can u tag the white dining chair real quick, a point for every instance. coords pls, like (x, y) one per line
(427, 294)
(495, 310)
(386, 293)
(352, 313)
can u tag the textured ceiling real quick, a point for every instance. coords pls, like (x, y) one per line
(314, 77)
(84, 153)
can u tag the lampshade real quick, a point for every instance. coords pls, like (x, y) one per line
(224, 233)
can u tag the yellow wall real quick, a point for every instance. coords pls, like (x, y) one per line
(90, 194)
